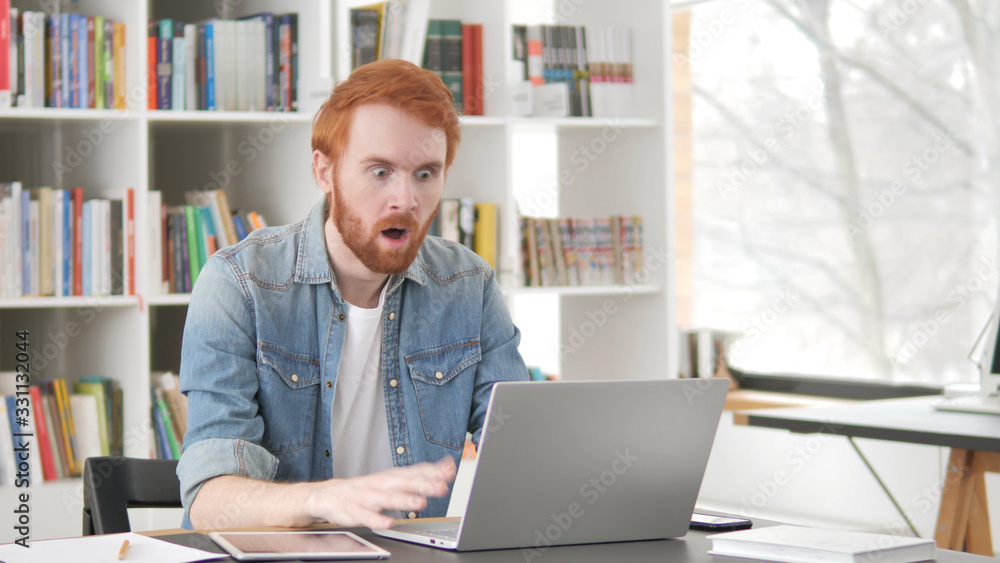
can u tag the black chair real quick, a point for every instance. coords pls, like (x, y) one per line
(111, 485)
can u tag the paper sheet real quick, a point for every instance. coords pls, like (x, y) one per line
(103, 549)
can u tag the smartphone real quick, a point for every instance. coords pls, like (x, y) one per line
(712, 523)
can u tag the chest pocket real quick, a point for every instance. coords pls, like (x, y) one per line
(444, 379)
(289, 392)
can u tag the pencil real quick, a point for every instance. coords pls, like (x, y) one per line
(123, 551)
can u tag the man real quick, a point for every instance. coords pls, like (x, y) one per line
(334, 366)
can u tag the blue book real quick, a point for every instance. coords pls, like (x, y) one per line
(241, 228)
(88, 228)
(270, 60)
(66, 61)
(53, 35)
(82, 58)
(210, 65)
(67, 243)
(179, 83)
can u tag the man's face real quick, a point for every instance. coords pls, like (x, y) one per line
(387, 187)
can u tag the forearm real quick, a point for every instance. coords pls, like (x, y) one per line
(229, 501)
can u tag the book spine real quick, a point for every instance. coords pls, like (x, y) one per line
(98, 50)
(5, 37)
(210, 52)
(119, 56)
(164, 67)
(451, 60)
(48, 462)
(129, 235)
(152, 45)
(91, 50)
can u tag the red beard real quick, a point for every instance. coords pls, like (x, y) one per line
(365, 246)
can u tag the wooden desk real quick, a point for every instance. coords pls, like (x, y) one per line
(974, 439)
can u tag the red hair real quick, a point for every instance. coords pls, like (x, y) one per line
(394, 82)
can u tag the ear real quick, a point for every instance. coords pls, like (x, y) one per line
(323, 171)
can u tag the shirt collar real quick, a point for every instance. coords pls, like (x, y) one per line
(313, 262)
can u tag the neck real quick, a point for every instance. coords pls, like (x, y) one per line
(358, 285)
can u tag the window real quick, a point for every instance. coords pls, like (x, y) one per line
(845, 183)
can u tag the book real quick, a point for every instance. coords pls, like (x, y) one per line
(798, 544)
(88, 424)
(485, 233)
(98, 391)
(42, 426)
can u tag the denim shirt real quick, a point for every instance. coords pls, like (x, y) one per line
(262, 345)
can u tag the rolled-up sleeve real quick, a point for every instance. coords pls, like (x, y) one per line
(218, 375)
(499, 339)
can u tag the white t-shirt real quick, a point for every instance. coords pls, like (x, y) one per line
(360, 430)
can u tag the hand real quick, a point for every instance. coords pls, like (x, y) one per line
(359, 501)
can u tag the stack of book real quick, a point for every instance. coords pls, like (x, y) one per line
(169, 415)
(401, 29)
(454, 51)
(250, 64)
(580, 251)
(593, 63)
(52, 242)
(183, 237)
(67, 428)
(472, 224)
(61, 60)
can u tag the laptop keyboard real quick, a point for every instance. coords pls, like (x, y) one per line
(448, 534)
(971, 403)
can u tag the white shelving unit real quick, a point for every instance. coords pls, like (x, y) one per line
(175, 151)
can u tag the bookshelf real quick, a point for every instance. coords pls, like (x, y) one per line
(128, 337)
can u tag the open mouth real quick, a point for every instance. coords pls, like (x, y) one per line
(394, 234)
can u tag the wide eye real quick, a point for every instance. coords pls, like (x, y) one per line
(425, 174)
(380, 172)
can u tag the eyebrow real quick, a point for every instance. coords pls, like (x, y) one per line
(381, 160)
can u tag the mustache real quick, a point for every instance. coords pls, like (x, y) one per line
(398, 221)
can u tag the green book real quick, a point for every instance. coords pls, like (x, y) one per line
(451, 59)
(168, 425)
(99, 102)
(196, 241)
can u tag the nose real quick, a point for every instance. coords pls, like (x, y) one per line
(403, 197)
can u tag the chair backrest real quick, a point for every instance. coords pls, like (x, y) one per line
(111, 485)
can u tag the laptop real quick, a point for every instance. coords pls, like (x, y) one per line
(987, 399)
(583, 462)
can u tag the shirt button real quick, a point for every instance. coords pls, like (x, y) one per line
(341, 317)
(329, 385)
(411, 515)
(326, 453)
(393, 383)
(439, 375)
(400, 450)
(295, 378)
(392, 317)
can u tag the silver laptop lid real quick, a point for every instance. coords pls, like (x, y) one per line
(587, 462)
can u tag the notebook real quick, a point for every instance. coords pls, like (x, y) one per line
(583, 462)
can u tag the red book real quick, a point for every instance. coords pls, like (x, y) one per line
(77, 195)
(5, 93)
(468, 103)
(91, 65)
(152, 40)
(130, 240)
(478, 95)
(44, 446)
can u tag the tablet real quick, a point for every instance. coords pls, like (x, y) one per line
(319, 544)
